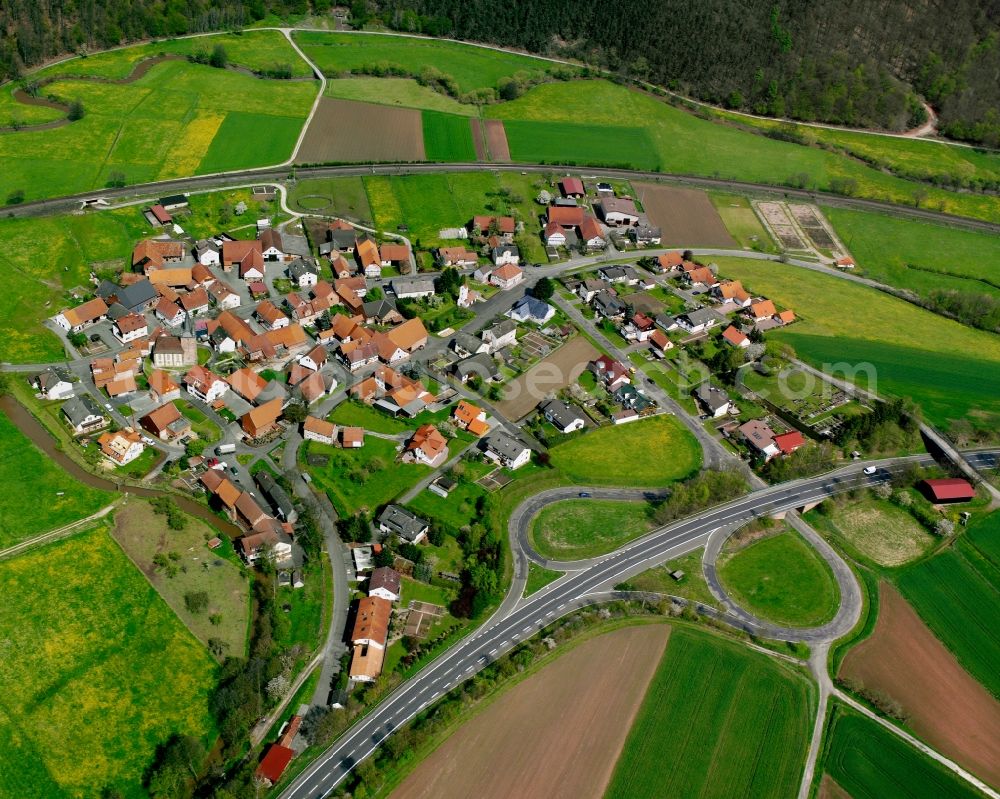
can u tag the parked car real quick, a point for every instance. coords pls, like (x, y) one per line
(584, 494)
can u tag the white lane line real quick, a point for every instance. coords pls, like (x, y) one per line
(469, 669)
(493, 651)
(526, 629)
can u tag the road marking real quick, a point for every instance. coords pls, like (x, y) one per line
(562, 606)
(469, 669)
(526, 629)
(502, 644)
(493, 651)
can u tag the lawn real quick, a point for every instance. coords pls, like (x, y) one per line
(471, 67)
(647, 453)
(335, 196)
(97, 672)
(742, 222)
(303, 622)
(55, 499)
(143, 534)
(256, 50)
(683, 143)
(691, 586)
(782, 579)
(919, 256)
(950, 370)
(718, 720)
(538, 578)
(957, 593)
(187, 105)
(458, 509)
(205, 428)
(403, 92)
(878, 530)
(447, 137)
(551, 142)
(586, 528)
(869, 762)
(362, 479)
(357, 414)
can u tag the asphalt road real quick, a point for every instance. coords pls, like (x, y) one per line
(268, 174)
(576, 589)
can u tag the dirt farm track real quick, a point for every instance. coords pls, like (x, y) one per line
(946, 706)
(348, 131)
(551, 735)
(686, 216)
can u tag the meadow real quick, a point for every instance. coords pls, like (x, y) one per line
(876, 531)
(447, 138)
(950, 370)
(404, 92)
(459, 509)
(471, 67)
(868, 762)
(743, 732)
(782, 579)
(586, 528)
(957, 594)
(335, 196)
(15, 114)
(97, 672)
(919, 256)
(576, 143)
(362, 479)
(684, 143)
(648, 453)
(254, 50)
(55, 498)
(171, 122)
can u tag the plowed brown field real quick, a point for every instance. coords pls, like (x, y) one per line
(686, 216)
(496, 140)
(947, 707)
(556, 735)
(550, 374)
(349, 131)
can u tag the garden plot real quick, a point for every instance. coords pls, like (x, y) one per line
(813, 225)
(777, 220)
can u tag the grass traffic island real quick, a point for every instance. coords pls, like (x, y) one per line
(104, 671)
(538, 578)
(781, 579)
(691, 586)
(742, 732)
(575, 529)
(648, 453)
(189, 568)
(867, 760)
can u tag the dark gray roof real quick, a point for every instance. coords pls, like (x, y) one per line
(300, 266)
(412, 285)
(504, 445)
(117, 311)
(608, 304)
(404, 523)
(505, 249)
(701, 317)
(137, 295)
(465, 341)
(501, 329)
(531, 306)
(480, 364)
(376, 309)
(273, 390)
(77, 409)
(711, 396)
(275, 494)
(343, 239)
(560, 413)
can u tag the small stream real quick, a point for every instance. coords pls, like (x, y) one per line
(41, 438)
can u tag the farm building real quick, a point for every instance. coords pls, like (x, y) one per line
(948, 489)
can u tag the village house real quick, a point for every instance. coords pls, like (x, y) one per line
(714, 400)
(121, 447)
(270, 316)
(480, 365)
(761, 311)
(531, 309)
(352, 437)
(53, 383)
(669, 263)
(565, 418)
(427, 446)
(367, 256)
(566, 217)
(399, 521)
(174, 352)
(208, 252)
(591, 235)
(245, 256)
(504, 256)
(457, 256)
(195, 302)
(204, 384)
(555, 235)
(223, 296)
(153, 254)
(320, 430)
(412, 288)
(607, 305)
(137, 297)
(166, 423)
(590, 288)
(492, 225)
(394, 255)
(702, 276)
(507, 276)
(75, 320)
(83, 415)
(385, 582)
(735, 337)
(260, 421)
(505, 450)
(170, 313)
(659, 343)
(617, 211)
(788, 442)
(470, 417)
(162, 388)
(271, 246)
(283, 506)
(303, 273)
(643, 234)
(760, 438)
(639, 328)
(369, 638)
(609, 372)
(572, 187)
(502, 334)
(699, 320)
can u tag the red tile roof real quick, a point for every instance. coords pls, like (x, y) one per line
(950, 488)
(789, 442)
(274, 763)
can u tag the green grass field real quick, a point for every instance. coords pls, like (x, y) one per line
(552, 142)
(950, 370)
(741, 221)
(649, 453)
(471, 67)
(357, 414)
(459, 509)
(684, 143)
(538, 578)
(55, 498)
(585, 528)
(957, 593)
(877, 531)
(447, 137)
(14, 113)
(365, 478)
(334, 196)
(919, 256)
(869, 762)
(691, 586)
(402, 92)
(781, 579)
(718, 720)
(187, 105)
(97, 672)
(256, 50)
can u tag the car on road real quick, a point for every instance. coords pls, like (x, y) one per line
(584, 494)
(871, 470)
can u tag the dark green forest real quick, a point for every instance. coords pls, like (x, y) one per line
(863, 63)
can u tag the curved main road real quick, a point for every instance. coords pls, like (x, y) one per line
(522, 618)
